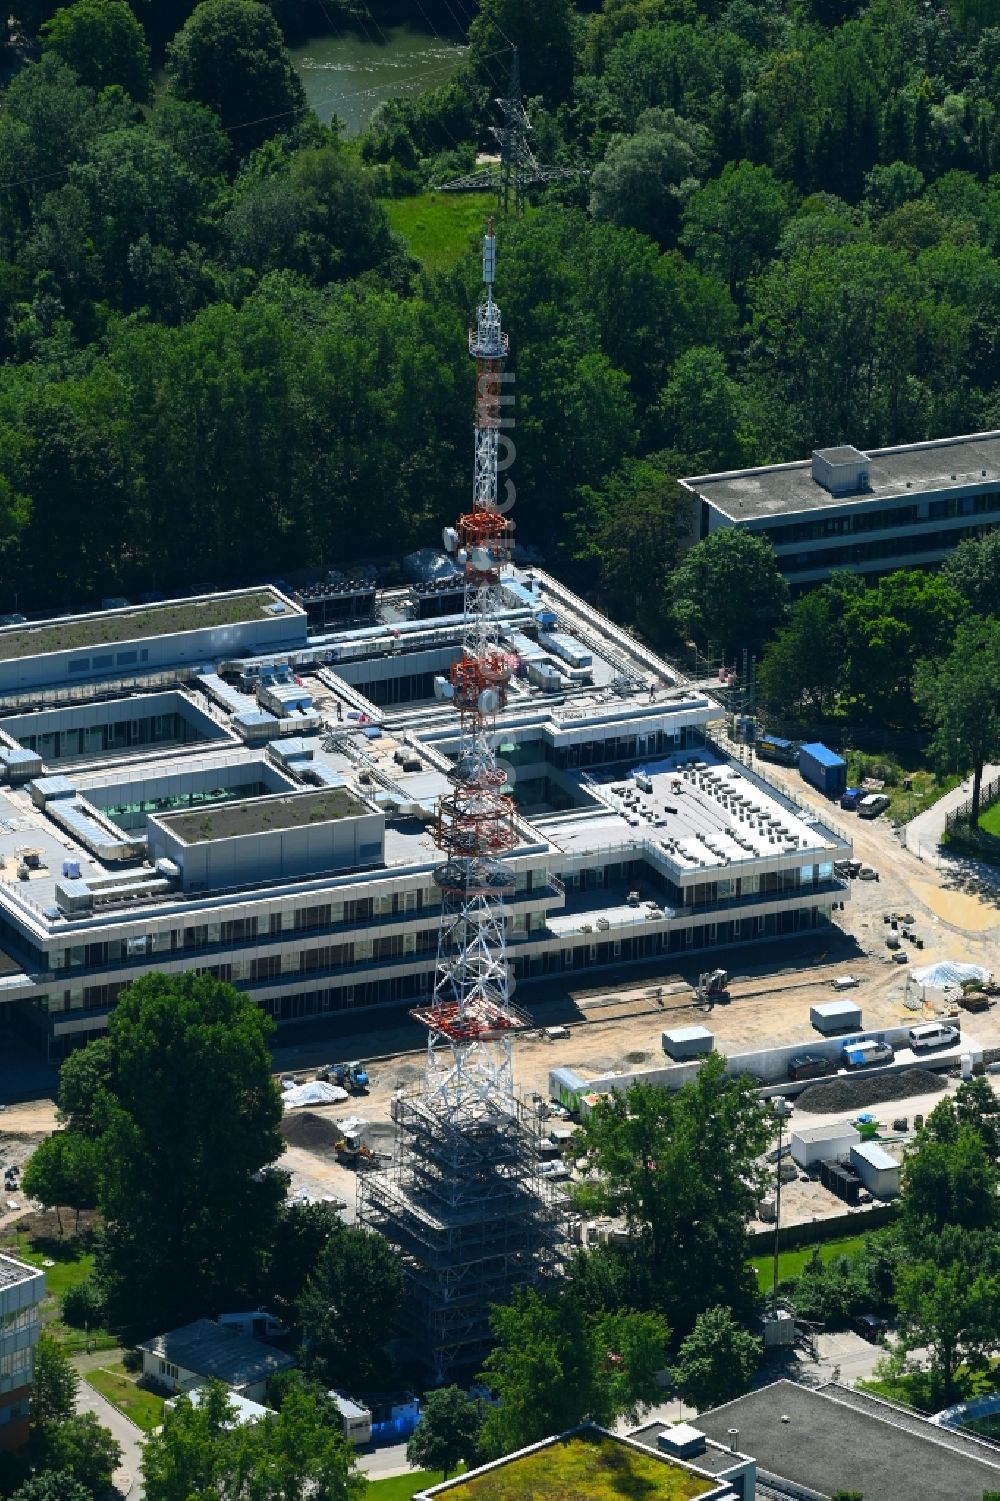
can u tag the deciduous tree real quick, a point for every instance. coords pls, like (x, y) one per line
(63, 1169)
(717, 1361)
(733, 222)
(230, 55)
(448, 1431)
(103, 43)
(348, 1308)
(804, 662)
(667, 1161)
(553, 1364)
(52, 1485)
(300, 1451)
(191, 1115)
(84, 1448)
(961, 696)
(947, 1302)
(974, 570)
(728, 590)
(54, 1385)
(646, 178)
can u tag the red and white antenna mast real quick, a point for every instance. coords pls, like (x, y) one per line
(471, 1020)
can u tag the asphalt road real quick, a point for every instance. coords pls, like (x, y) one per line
(128, 1480)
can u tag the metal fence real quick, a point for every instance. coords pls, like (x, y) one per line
(961, 817)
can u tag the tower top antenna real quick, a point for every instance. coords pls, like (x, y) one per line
(515, 168)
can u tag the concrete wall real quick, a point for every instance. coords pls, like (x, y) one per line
(771, 1064)
(271, 855)
(856, 1222)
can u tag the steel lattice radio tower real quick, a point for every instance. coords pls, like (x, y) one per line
(471, 1019)
(464, 1202)
(518, 167)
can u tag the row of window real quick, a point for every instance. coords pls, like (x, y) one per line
(15, 1367)
(120, 734)
(409, 986)
(876, 518)
(237, 931)
(270, 967)
(21, 1318)
(886, 548)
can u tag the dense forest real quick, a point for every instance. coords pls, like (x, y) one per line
(221, 362)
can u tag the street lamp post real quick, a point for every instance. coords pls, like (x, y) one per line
(780, 1107)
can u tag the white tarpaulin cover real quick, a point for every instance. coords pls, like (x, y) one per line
(316, 1093)
(946, 972)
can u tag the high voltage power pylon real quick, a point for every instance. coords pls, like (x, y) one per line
(517, 168)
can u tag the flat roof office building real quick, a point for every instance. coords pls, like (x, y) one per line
(22, 1289)
(265, 814)
(869, 512)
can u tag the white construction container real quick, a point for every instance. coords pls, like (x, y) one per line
(877, 1170)
(830, 1143)
(682, 1043)
(831, 1017)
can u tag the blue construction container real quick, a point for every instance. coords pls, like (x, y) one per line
(823, 769)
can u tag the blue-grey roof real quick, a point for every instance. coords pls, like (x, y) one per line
(830, 1442)
(209, 1350)
(823, 754)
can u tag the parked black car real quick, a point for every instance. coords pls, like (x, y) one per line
(871, 1327)
(810, 1066)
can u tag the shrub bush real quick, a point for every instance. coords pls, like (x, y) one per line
(82, 1306)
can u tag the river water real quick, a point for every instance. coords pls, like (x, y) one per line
(352, 74)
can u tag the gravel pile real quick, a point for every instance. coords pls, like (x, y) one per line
(868, 1089)
(312, 1132)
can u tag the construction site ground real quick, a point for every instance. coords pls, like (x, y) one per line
(615, 1022)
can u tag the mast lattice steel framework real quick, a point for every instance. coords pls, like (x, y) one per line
(518, 167)
(464, 1201)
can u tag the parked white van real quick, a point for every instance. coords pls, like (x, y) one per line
(933, 1035)
(872, 805)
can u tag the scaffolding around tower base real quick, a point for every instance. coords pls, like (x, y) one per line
(471, 1216)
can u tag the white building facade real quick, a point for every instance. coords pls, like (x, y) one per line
(299, 866)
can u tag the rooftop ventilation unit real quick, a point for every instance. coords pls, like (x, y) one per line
(682, 1441)
(842, 471)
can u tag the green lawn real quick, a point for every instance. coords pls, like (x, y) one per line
(915, 1389)
(114, 1382)
(791, 1263)
(927, 788)
(71, 1264)
(440, 227)
(402, 1487)
(989, 821)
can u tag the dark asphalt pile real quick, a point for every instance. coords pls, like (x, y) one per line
(314, 1133)
(868, 1089)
